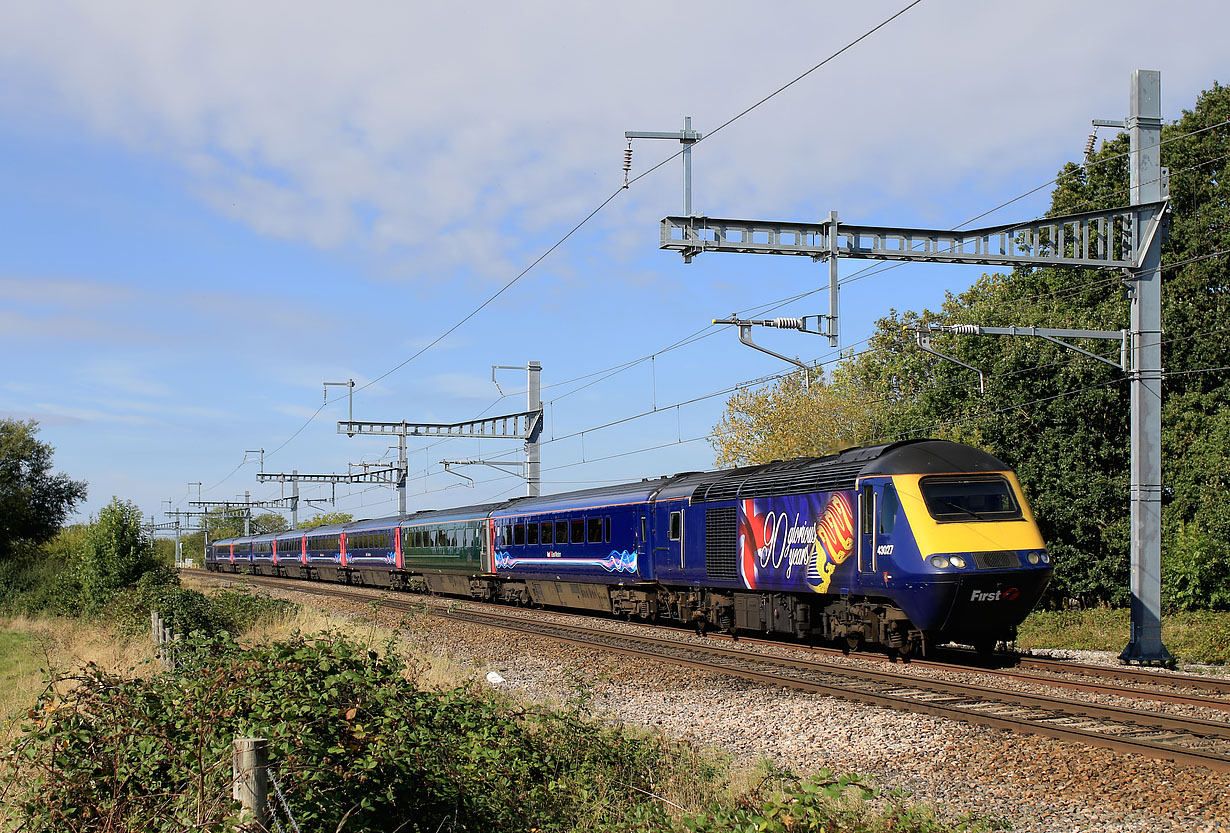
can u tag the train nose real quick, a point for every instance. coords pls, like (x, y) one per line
(989, 602)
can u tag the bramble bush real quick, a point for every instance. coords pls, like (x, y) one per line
(350, 733)
(231, 610)
(357, 745)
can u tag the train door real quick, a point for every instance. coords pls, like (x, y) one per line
(879, 509)
(667, 540)
(869, 496)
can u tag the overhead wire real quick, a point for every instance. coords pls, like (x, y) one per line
(606, 202)
(700, 333)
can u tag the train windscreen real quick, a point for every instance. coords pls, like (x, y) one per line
(967, 499)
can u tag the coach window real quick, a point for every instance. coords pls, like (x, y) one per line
(519, 535)
(578, 532)
(561, 532)
(531, 534)
(676, 525)
(889, 506)
(869, 509)
(594, 528)
(547, 529)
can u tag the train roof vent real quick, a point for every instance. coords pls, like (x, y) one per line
(797, 477)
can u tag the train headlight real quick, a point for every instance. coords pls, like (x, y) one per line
(1033, 558)
(1046, 557)
(939, 562)
(957, 561)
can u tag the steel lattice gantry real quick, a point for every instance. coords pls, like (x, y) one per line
(1091, 240)
(507, 427)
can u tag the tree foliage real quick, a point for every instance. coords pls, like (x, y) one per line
(1058, 418)
(116, 552)
(327, 519)
(228, 523)
(34, 503)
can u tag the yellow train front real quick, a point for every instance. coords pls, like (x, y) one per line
(947, 533)
(902, 546)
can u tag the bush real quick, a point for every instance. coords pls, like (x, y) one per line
(1196, 568)
(350, 734)
(230, 610)
(116, 552)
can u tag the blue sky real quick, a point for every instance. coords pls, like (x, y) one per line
(211, 209)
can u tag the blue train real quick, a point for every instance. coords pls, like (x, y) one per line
(899, 546)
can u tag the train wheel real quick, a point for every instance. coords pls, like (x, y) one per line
(854, 642)
(985, 647)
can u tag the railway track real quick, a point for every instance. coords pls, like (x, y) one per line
(1185, 740)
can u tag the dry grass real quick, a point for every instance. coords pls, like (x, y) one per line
(34, 647)
(375, 633)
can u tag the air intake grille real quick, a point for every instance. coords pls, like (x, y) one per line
(996, 560)
(721, 557)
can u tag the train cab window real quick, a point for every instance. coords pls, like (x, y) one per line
(561, 532)
(548, 529)
(594, 530)
(676, 526)
(969, 499)
(606, 522)
(519, 535)
(889, 507)
(578, 532)
(531, 534)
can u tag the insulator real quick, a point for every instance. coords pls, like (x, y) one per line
(627, 159)
(785, 323)
(966, 329)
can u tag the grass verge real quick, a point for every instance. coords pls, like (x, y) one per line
(1201, 637)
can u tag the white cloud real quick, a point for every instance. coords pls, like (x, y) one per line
(441, 139)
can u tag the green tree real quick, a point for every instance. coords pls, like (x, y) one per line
(788, 419)
(327, 519)
(269, 522)
(117, 551)
(34, 503)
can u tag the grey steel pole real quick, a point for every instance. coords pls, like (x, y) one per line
(832, 279)
(687, 168)
(533, 448)
(294, 504)
(247, 513)
(1145, 132)
(401, 474)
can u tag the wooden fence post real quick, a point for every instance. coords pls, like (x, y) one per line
(249, 763)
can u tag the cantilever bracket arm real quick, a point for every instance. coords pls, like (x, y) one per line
(509, 466)
(459, 474)
(924, 344)
(1051, 334)
(800, 324)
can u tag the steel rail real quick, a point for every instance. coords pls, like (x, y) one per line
(967, 663)
(1141, 675)
(1116, 737)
